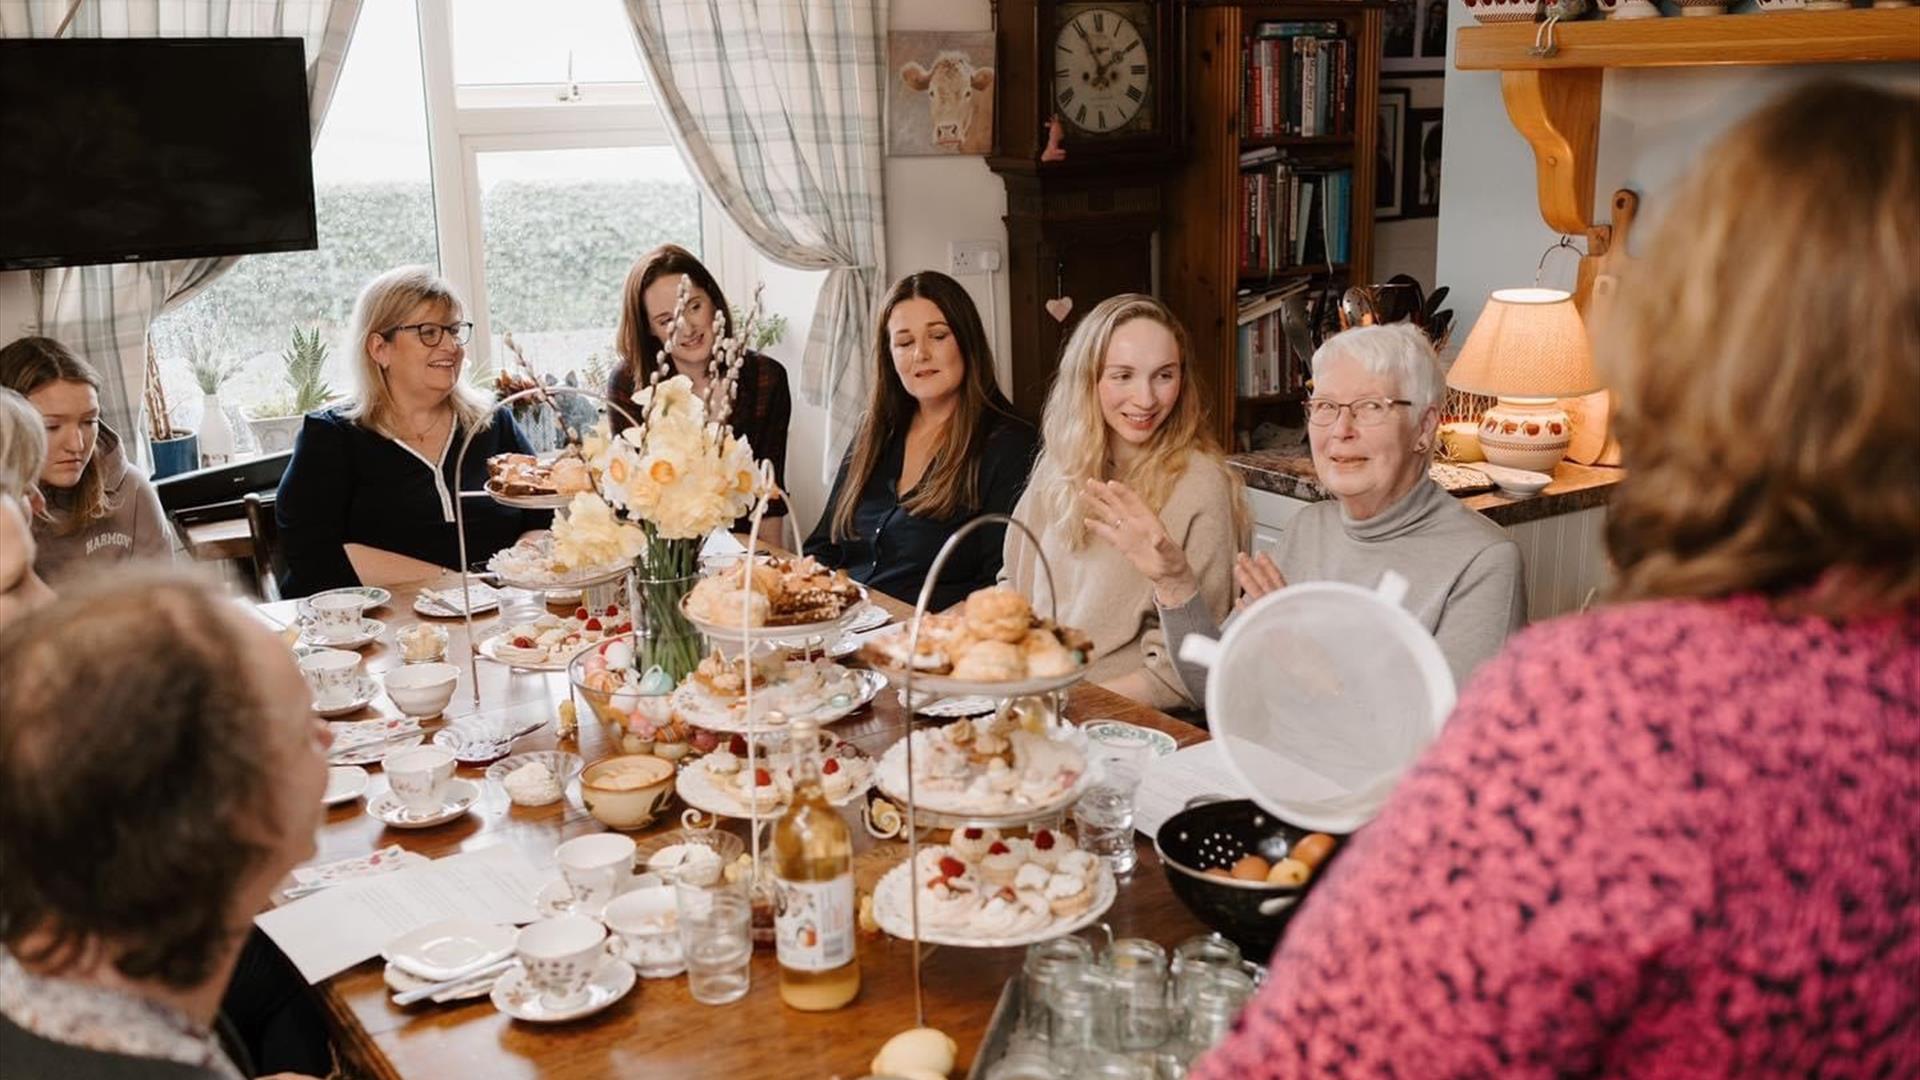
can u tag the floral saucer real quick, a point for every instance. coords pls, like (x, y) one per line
(555, 898)
(952, 707)
(374, 595)
(370, 631)
(612, 979)
(461, 795)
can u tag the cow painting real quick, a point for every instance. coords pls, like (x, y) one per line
(946, 106)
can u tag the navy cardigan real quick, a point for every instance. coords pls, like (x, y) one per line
(349, 484)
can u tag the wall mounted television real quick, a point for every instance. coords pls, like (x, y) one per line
(135, 149)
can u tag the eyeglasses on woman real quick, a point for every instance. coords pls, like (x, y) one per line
(430, 333)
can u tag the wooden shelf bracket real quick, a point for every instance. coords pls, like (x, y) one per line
(1558, 111)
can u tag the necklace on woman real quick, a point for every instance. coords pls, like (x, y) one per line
(419, 440)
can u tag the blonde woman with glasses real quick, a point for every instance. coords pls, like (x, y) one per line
(368, 498)
(1370, 425)
(1123, 416)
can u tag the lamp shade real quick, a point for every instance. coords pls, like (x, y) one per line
(1527, 343)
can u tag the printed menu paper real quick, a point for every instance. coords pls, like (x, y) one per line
(330, 931)
(1180, 776)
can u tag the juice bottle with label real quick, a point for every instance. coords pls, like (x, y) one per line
(813, 876)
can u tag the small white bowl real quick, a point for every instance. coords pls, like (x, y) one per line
(422, 690)
(1519, 483)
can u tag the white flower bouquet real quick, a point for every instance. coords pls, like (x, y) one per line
(662, 486)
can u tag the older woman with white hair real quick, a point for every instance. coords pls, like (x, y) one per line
(368, 498)
(1371, 424)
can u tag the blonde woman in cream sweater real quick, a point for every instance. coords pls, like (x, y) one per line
(1123, 411)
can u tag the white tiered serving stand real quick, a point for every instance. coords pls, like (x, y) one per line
(546, 394)
(1003, 693)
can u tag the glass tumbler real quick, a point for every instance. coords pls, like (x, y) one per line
(715, 938)
(1193, 958)
(1134, 1014)
(1071, 1009)
(1047, 963)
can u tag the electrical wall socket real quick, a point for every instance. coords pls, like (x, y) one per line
(973, 256)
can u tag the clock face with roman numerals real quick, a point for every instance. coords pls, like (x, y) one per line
(1102, 71)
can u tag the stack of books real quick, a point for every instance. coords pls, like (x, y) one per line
(1298, 81)
(1292, 215)
(1264, 365)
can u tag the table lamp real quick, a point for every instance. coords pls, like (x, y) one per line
(1528, 349)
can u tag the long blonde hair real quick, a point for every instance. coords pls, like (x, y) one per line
(23, 444)
(1077, 440)
(951, 484)
(384, 301)
(1767, 380)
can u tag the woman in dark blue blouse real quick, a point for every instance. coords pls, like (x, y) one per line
(940, 445)
(368, 496)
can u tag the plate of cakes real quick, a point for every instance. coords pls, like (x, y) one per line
(777, 599)
(724, 783)
(987, 768)
(538, 483)
(997, 647)
(785, 688)
(532, 564)
(549, 641)
(985, 891)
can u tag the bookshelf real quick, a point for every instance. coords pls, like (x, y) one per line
(1292, 90)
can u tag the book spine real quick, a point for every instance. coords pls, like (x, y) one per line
(1310, 88)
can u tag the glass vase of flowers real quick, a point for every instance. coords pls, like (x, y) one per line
(678, 474)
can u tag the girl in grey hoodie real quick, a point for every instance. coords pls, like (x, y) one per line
(100, 509)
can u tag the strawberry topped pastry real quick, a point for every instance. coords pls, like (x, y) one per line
(1005, 892)
(553, 639)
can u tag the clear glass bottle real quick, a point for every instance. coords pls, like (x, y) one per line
(813, 876)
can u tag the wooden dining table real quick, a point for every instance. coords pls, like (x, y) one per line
(658, 1029)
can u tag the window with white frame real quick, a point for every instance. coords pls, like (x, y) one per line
(515, 146)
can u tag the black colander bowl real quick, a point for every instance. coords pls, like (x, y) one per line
(1217, 834)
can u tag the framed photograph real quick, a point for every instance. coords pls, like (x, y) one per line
(1389, 153)
(940, 87)
(1421, 195)
(1415, 38)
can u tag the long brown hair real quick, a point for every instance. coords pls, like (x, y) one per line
(1766, 379)
(952, 482)
(27, 365)
(638, 345)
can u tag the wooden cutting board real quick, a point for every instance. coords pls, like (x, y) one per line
(1596, 287)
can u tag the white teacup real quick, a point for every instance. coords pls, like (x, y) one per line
(645, 923)
(332, 674)
(596, 867)
(336, 616)
(419, 776)
(559, 956)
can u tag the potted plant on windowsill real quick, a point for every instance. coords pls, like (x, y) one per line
(276, 422)
(216, 431)
(175, 450)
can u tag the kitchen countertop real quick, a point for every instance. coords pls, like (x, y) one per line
(1574, 487)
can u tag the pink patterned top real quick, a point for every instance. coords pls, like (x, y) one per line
(1666, 839)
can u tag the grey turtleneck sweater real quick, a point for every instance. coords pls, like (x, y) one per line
(1465, 582)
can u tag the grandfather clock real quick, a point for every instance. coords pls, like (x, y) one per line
(1080, 228)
